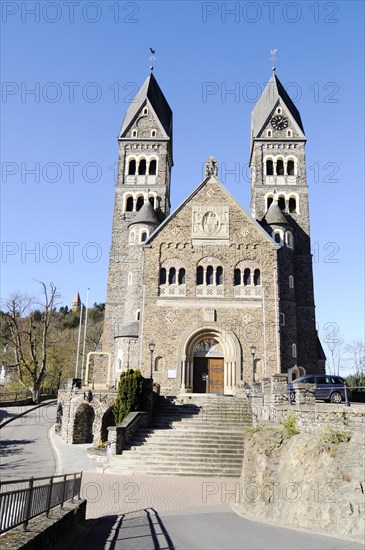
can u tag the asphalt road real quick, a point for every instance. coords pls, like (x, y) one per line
(209, 528)
(25, 450)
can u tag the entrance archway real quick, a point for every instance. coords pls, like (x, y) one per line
(209, 360)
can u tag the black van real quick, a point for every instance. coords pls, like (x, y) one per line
(328, 387)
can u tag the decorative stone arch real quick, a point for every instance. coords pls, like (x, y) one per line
(295, 197)
(106, 420)
(231, 352)
(83, 424)
(269, 197)
(295, 372)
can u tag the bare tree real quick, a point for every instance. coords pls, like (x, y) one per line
(355, 358)
(335, 344)
(25, 331)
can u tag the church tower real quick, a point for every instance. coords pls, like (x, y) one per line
(279, 201)
(142, 201)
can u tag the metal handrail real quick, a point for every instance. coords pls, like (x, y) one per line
(20, 505)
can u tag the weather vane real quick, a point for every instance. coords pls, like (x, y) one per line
(273, 59)
(152, 58)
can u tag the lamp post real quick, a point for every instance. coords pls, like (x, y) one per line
(151, 346)
(253, 351)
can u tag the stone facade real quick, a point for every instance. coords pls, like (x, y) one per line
(208, 282)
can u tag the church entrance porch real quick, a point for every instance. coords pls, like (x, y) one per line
(209, 360)
(208, 375)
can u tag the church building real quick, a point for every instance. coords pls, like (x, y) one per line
(210, 297)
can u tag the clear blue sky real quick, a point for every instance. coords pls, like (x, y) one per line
(86, 63)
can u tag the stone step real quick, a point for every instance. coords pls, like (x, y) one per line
(179, 431)
(177, 451)
(177, 470)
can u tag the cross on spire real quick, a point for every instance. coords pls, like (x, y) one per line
(152, 58)
(273, 58)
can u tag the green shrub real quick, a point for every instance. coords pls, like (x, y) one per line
(329, 436)
(290, 426)
(130, 394)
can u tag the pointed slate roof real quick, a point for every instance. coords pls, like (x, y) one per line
(77, 299)
(275, 216)
(273, 92)
(145, 215)
(150, 90)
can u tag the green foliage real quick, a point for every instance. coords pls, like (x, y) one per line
(329, 436)
(290, 426)
(130, 394)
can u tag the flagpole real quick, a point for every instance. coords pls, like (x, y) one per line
(84, 342)
(78, 343)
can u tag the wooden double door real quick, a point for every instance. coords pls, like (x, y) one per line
(208, 375)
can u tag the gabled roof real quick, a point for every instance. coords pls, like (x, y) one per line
(150, 90)
(275, 216)
(192, 194)
(272, 94)
(145, 215)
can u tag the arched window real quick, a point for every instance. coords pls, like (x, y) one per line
(132, 167)
(153, 133)
(143, 236)
(172, 276)
(134, 133)
(162, 276)
(290, 168)
(130, 278)
(280, 167)
(237, 277)
(145, 111)
(142, 167)
(247, 277)
(129, 204)
(279, 110)
(152, 167)
(219, 276)
(289, 133)
(140, 203)
(200, 275)
(292, 205)
(269, 167)
(289, 239)
(269, 202)
(277, 238)
(181, 276)
(281, 203)
(282, 319)
(291, 281)
(210, 280)
(132, 237)
(256, 277)
(152, 201)
(138, 315)
(294, 350)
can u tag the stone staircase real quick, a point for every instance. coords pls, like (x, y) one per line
(193, 435)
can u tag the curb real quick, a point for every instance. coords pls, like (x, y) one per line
(57, 455)
(53, 401)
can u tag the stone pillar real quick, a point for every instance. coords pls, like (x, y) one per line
(183, 374)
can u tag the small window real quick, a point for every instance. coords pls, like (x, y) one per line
(132, 167)
(138, 315)
(290, 168)
(140, 203)
(200, 275)
(219, 276)
(210, 280)
(277, 238)
(153, 133)
(130, 278)
(289, 239)
(132, 237)
(257, 277)
(129, 205)
(163, 276)
(172, 276)
(152, 201)
(152, 168)
(291, 281)
(145, 111)
(294, 350)
(269, 167)
(279, 111)
(269, 133)
(181, 276)
(281, 203)
(280, 167)
(292, 205)
(134, 133)
(289, 133)
(269, 202)
(247, 277)
(282, 319)
(142, 167)
(237, 277)
(143, 236)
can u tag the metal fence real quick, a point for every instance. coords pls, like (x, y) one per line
(22, 500)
